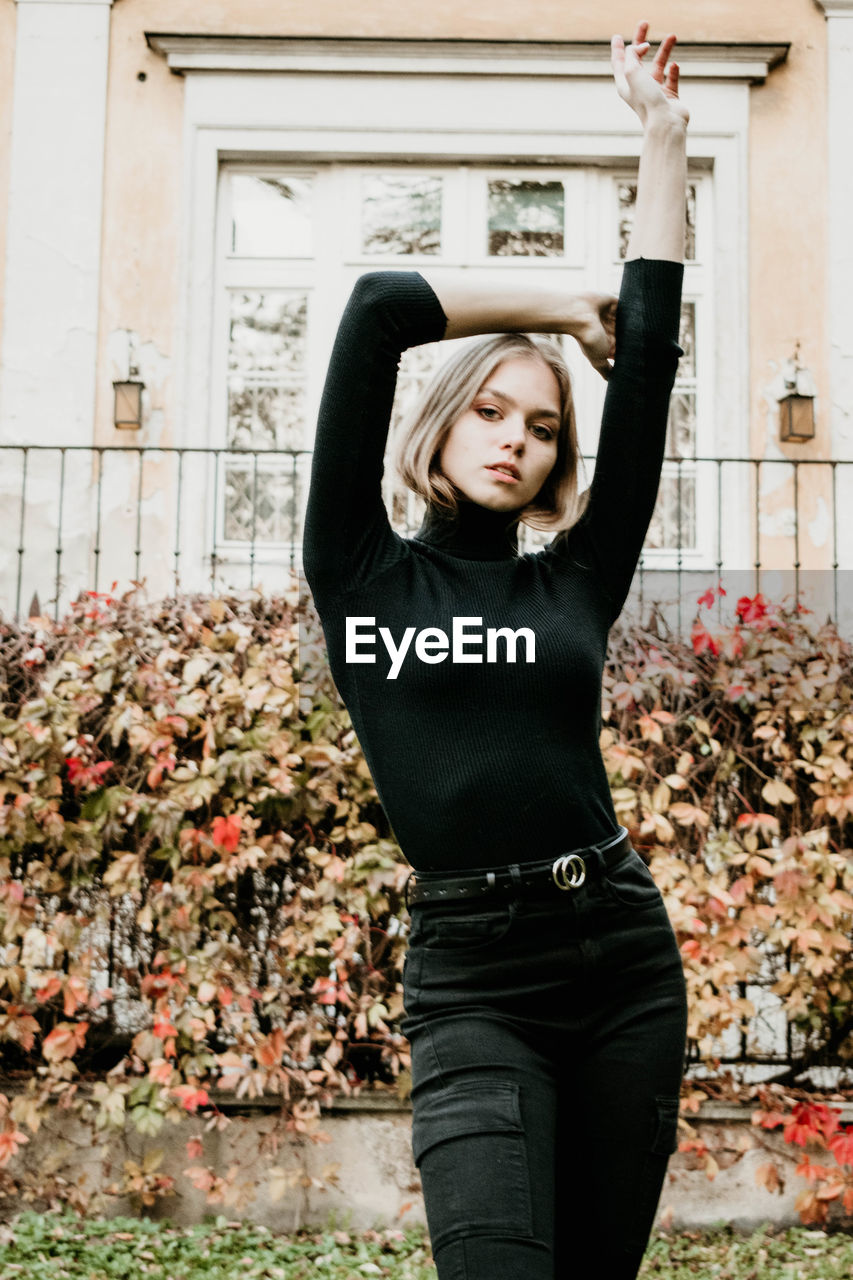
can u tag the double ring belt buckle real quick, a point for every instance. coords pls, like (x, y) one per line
(563, 878)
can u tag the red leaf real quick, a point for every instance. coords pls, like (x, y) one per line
(226, 832)
(841, 1145)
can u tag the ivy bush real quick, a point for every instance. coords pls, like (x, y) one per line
(200, 896)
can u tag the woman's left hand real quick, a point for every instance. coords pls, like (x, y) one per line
(651, 91)
(594, 328)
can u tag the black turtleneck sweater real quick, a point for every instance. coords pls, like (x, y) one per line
(480, 763)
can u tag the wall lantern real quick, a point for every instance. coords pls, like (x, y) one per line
(796, 405)
(127, 411)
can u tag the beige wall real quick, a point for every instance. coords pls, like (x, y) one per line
(369, 1148)
(8, 14)
(788, 288)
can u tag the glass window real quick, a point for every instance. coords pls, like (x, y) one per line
(400, 213)
(526, 218)
(271, 217)
(295, 241)
(627, 197)
(674, 523)
(266, 410)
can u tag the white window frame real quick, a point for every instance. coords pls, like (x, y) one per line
(502, 103)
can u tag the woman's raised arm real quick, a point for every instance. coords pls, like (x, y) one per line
(633, 428)
(347, 536)
(658, 230)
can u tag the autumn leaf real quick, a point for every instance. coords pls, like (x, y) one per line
(841, 1145)
(767, 1176)
(778, 792)
(18, 1025)
(190, 1096)
(10, 1141)
(688, 815)
(64, 1040)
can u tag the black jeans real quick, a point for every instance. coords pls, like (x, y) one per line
(548, 1038)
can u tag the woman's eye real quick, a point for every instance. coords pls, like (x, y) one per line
(487, 408)
(544, 433)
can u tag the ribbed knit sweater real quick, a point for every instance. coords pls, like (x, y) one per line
(480, 761)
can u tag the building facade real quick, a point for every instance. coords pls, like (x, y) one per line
(188, 192)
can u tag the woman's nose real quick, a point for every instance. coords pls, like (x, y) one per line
(514, 429)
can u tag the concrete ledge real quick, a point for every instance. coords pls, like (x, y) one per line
(361, 1170)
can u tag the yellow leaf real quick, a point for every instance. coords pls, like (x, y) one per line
(688, 815)
(661, 797)
(778, 792)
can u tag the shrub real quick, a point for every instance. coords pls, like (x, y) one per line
(186, 814)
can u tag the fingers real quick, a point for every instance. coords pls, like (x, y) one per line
(641, 32)
(662, 55)
(640, 47)
(617, 52)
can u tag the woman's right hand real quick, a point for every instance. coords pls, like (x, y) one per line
(594, 328)
(650, 91)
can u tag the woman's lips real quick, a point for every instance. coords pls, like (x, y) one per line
(503, 475)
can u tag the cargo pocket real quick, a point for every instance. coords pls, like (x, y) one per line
(664, 1143)
(468, 1143)
(666, 1133)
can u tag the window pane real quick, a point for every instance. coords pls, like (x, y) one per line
(627, 196)
(264, 417)
(687, 341)
(673, 524)
(271, 217)
(266, 410)
(681, 432)
(400, 213)
(416, 368)
(526, 219)
(262, 506)
(267, 332)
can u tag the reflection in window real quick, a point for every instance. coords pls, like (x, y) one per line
(266, 410)
(264, 417)
(526, 218)
(416, 368)
(271, 217)
(627, 196)
(673, 524)
(267, 332)
(681, 432)
(262, 502)
(400, 214)
(687, 341)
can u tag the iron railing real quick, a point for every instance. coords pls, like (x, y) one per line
(82, 517)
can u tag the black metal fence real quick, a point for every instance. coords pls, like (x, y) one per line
(82, 518)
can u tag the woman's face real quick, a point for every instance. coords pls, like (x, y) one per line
(511, 426)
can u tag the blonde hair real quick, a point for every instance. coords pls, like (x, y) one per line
(450, 392)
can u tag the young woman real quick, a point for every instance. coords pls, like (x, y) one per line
(543, 987)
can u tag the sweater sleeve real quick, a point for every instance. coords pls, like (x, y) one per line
(347, 536)
(632, 440)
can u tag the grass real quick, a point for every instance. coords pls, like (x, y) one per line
(65, 1247)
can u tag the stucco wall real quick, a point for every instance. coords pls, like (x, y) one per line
(144, 236)
(7, 72)
(375, 1180)
(787, 164)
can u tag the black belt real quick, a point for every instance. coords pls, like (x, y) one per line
(568, 871)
